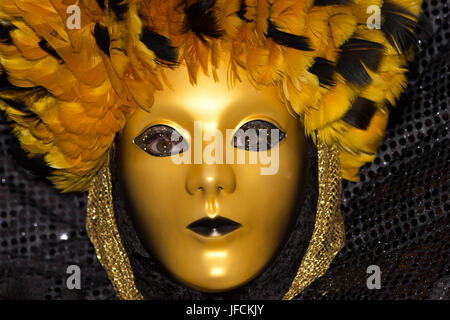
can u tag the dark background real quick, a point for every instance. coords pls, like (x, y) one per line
(396, 217)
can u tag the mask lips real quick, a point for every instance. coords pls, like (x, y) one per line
(215, 227)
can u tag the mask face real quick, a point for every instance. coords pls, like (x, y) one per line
(214, 174)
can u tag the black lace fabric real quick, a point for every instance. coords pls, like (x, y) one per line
(397, 216)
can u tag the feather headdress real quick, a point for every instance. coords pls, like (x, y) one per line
(68, 88)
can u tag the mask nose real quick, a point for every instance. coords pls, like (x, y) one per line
(210, 179)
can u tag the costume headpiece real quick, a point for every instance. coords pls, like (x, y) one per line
(69, 88)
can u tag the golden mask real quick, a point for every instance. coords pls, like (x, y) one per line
(213, 226)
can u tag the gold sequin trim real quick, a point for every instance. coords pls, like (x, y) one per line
(102, 230)
(327, 239)
(328, 236)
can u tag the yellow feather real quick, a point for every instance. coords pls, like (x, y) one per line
(333, 105)
(342, 24)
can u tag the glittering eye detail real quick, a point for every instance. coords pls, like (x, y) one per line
(257, 135)
(161, 141)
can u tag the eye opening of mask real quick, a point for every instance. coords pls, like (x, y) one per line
(161, 140)
(257, 135)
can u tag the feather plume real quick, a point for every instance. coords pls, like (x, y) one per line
(67, 93)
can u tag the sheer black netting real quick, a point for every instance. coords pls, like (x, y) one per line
(396, 216)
